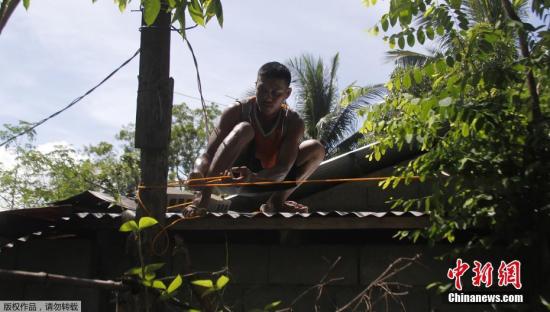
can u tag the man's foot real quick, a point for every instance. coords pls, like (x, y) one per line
(287, 206)
(193, 210)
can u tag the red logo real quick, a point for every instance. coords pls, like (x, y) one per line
(457, 272)
(483, 274)
(508, 274)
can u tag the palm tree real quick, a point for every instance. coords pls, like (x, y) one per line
(318, 102)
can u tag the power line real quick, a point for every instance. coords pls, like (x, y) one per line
(199, 84)
(70, 104)
(198, 99)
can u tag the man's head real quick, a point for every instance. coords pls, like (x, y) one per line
(272, 86)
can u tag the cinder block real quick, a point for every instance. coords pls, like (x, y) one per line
(113, 254)
(59, 256)
(248, 264)
(306, 265)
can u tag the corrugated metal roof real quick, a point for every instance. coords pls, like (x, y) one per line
(335, 220)
(90, 210)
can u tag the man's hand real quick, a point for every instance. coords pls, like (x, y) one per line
(242, 174)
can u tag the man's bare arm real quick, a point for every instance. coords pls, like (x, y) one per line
(229, 118)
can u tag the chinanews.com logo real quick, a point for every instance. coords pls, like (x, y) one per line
(508, 274)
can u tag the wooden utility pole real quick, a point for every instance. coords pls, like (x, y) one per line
(153, 124)
(154, 114)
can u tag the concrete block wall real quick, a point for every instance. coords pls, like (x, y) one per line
(261, 274)
(70, 256)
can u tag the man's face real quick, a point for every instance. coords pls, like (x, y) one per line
(271, 93)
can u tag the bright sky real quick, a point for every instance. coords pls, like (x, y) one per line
(59, 49)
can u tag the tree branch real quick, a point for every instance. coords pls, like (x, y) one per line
(63, 279)
(523, 44)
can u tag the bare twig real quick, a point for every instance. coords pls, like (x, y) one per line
(382, 283)
(322, 283)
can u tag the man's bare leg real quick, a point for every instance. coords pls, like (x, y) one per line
(310, 154)
(226, 155)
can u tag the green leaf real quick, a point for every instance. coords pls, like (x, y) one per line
(392, 42)
(429, 11)
(203, 283)
(151, 11)
(430, 33)
(222, 281)
(272, 305)
(545, 303)
(133, 271)
(401, 42)
(384, 24)
(26, 4)
(172, 3)
(417, 73)
(407, 80)
(158, 284)
(377, 154)
(465, 130)
(129, 226)
(446, 102)
(410, 40)
(193, 310)
(146, 222)
(420, 36)
(440, 30)
(449, 60)
(374, 31)
(122, 5)
(195, 10)
(215, 8)
(175, 284)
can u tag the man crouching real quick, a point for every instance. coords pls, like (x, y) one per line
(259, 139)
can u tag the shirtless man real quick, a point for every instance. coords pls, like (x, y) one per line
(259, 139)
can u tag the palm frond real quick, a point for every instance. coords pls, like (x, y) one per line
(350, 143)
(316, 89)
(337, 126)
(406, 58)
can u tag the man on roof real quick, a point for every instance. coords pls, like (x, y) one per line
(260, 139)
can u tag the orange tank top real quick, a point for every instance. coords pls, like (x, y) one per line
(267, 144)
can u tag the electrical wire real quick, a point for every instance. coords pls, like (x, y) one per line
(35, 125)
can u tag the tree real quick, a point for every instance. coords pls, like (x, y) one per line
(328, 117)
(38, 178)
(480, 113)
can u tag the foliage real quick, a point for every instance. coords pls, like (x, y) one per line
(200, 11)
(38, 177)
(318, 103)
(469, 110)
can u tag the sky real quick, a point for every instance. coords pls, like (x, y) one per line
(59, 49)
